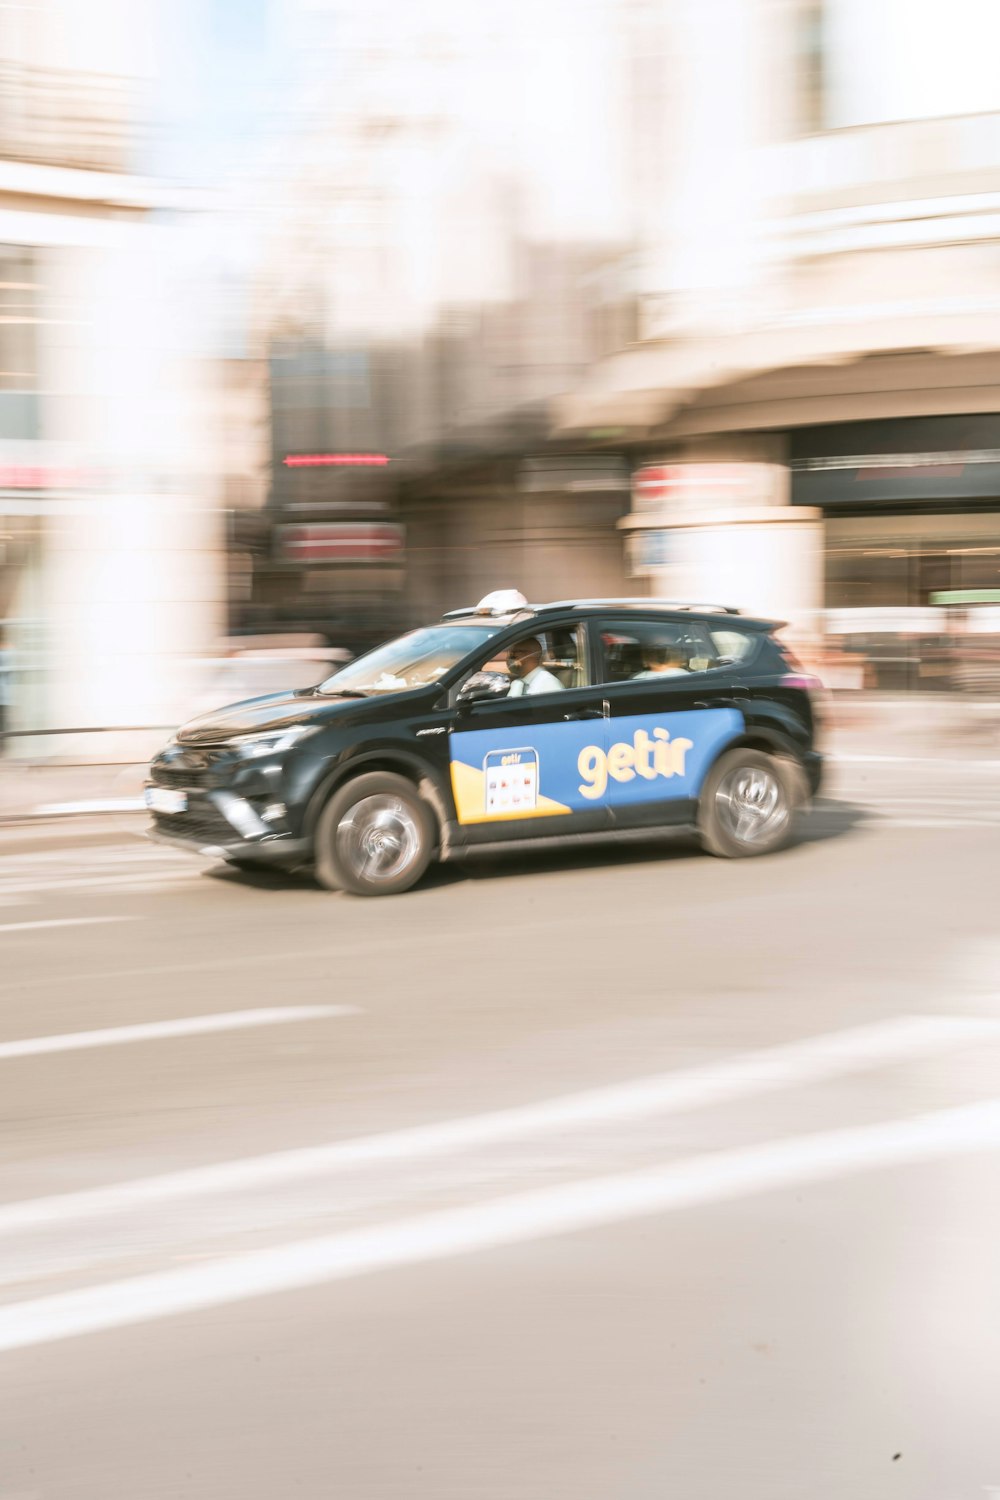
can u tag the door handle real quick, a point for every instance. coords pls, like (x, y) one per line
(584, 713)
(724, 700)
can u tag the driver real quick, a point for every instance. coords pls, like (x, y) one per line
(524, 663)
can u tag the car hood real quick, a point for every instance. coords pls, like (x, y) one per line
(257, 715)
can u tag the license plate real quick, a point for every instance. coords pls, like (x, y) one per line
(164, 799)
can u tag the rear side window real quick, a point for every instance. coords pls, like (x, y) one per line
(732, 646)
(644, 650)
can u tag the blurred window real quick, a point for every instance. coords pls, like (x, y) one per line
(810, 66)
(563, 654)
(644, 650)
(896, 60)
(18, 342)
(411, 661)
(734, 646)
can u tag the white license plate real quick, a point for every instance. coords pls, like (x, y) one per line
(163, 799)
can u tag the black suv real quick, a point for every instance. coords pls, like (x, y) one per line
(504, 722)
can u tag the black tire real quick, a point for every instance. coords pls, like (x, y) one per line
(375, 836)
(748, 804)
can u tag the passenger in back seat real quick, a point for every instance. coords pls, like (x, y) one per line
(662, 661)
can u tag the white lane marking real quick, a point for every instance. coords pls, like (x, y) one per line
(914, 760)
(95, 805)
(61, 922)
(94, 855)
(113, 1036)
(945, 807)
(139, 881)
(891, 822)
(789, 1065)
(509, 1220)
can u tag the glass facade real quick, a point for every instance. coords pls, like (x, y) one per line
(917, 596)
(19, 299)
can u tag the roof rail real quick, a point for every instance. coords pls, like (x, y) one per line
(473, 612)
(634, 603)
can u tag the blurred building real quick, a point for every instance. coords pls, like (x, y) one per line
(689, 297)
(451, 200)
(811, 399)
(694, 297)
(111, 563)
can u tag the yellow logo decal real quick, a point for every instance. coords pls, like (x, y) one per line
(645, 757)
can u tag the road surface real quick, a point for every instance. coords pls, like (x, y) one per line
(616, 1174)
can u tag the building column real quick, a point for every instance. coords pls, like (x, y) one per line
(133, 566)
(723, 533)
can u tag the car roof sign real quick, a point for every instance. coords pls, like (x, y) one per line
(501, 602)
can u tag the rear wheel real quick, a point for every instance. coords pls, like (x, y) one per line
(747, 804)
(375, 836)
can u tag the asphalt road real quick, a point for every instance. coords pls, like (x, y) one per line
(618, 1174)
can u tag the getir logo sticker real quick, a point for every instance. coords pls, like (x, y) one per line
(648, 757)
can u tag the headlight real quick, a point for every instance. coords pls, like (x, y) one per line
(271, 741)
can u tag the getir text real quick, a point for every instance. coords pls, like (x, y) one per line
(646, 756)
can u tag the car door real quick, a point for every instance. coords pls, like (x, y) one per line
(514, 763)
(667, 721)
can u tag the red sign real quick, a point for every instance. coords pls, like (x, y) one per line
(34, 477)
(659, 485)
(341, 541)
(335, 461)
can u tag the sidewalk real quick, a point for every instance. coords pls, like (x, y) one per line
(911, 726)
(37, 790)
(856, 725)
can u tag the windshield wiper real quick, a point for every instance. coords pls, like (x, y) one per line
(342, 693)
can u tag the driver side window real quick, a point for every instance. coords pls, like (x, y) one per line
(551, 661)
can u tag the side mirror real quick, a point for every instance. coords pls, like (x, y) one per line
(482, 686)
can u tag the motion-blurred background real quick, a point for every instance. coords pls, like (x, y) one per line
(603, 1173)
(318, 317)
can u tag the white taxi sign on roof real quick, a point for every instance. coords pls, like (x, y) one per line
(501, 602)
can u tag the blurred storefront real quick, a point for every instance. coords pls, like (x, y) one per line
(879, 541)
(912, 545)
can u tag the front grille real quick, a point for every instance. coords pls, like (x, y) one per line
(176, 776)
(203, 824)
(184, 767)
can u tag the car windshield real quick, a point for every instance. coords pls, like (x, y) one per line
(411, 661)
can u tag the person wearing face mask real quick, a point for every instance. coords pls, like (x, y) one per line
(524, 663)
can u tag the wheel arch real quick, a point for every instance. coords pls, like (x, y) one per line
(397, 762)
(770, 742)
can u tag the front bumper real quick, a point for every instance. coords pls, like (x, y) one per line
(277, 850)
(220, 824)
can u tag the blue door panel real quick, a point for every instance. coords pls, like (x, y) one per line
(522, 771)
(558, 769)
(662, 757)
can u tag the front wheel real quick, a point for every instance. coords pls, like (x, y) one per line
(375, 836)
(747, 805)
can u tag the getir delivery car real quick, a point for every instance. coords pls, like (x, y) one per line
(504, 722)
